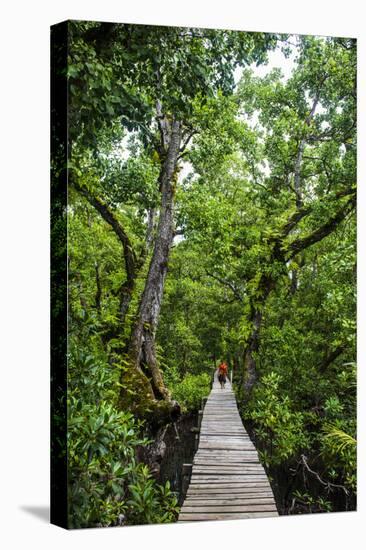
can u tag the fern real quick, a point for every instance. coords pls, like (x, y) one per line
(340, 439)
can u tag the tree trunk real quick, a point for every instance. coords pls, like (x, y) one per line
(250, 370)
(266, 284)
(294, 281)
(142, 353)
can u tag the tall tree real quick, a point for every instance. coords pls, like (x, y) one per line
(305, 136)
(150, 78)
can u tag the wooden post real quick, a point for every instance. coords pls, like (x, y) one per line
(203, 402)
(196, 442)
(231, 377)
(186, 477)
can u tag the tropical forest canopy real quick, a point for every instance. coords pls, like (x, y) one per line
(211, 216)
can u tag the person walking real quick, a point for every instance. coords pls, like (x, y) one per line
(222, 371)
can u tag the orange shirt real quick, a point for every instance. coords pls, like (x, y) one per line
(223, 368)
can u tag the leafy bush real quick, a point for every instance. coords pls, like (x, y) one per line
(279, 429)
(191, 389)
(303, 502)
(106, 484)
(150, 502)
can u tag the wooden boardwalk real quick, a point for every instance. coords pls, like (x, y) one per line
(227, 481)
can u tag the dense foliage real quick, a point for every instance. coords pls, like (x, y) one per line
(209, 220)
(107, 485)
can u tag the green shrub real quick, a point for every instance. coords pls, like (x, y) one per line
(279, 428)
(150, 502)
(191, 389)
(106, 484)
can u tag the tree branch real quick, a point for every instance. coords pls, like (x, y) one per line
(109, 217)
(306, 210)
(329, 486)
(182, 155)
(323, 231)
(329, 358)
(226, 283)
(187, 140)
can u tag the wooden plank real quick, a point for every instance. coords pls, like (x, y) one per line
(221, 428)
(221, 406)
(225, 499)
(219, 424)
(240, 445)
(223, 452)
(221, 416)
(222, 433)
(224, 483)
(221, 456)
(237, 489)
(221, 468)
(214, 417)
(255, 470)
(231, 475)
(197, 502)
(230, 420)
(207, 446)
(223, 502)
(249, 475)
(227, 452)
(228, 464)
(204, 446)
(216, 423)
(244, 488)
(219, 509)
(235, 442)
(225, 447)
(233, 497)
(218, 469)
(225, 486)
(222, 516)
(229, 460)
(230, 426)
(228, 445)
(219, 464)
(247, 461)
(234, 451)
(220, 459)
(224, 436)
(201, 479)
(231, 486)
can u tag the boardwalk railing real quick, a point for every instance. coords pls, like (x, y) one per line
(227, 480)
